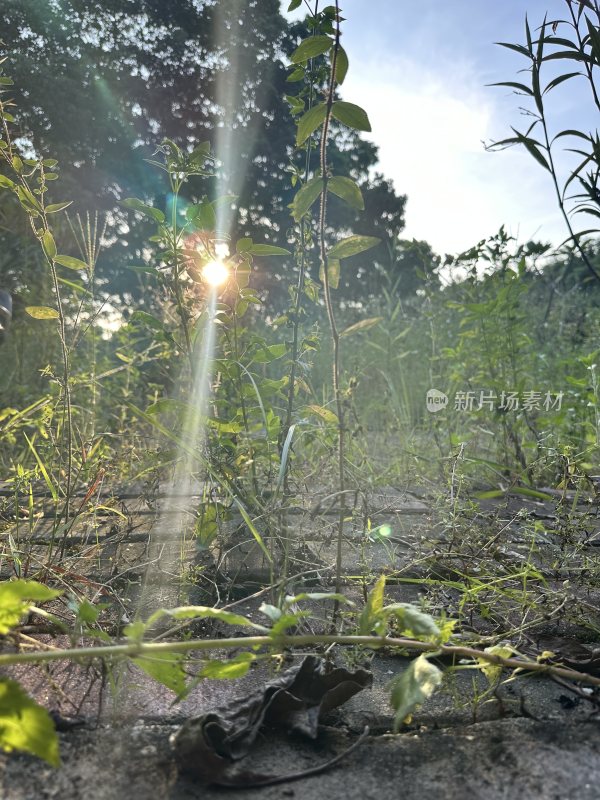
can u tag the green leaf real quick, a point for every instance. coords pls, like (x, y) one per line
(6, 183)
(137, 205)
(202, 216)
(268, 250)
(26, 726)
(341, 66)
(233, 668)
(294, 5)
(372, 618)
(348, 190)
(351, 115)
(311, 47)
(43, 470)
(334, 269)
(296, 75)
(363, 325)
(522, 490)
(324, 413)
(17, 597)
(413, 687)
(244, 245)
(70, 262)
(305, 197)
(412, 621)
(49, 245)
(203, 612)
(164, 667)
(200, 153)
(42, 312)
(352, 246)
(309, 122)
(148, 320)
(53, 208)
(493, 671)
(267, 354)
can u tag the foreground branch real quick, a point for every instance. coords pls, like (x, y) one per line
(137, 649)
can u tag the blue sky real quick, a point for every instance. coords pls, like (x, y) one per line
(420, 70)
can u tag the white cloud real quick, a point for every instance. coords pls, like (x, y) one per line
(429, 127)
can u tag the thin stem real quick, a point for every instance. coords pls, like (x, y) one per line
(331, 316)
(136, 649)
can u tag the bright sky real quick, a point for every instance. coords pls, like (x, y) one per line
(420, 70)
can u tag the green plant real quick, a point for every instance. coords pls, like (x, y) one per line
(576, 41)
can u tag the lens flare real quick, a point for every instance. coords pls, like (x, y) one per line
(215, 273)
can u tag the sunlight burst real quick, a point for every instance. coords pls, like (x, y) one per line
(215, 273)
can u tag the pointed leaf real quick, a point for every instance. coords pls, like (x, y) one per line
(70, 262)
(351, 115)
(352, 246)
(341, 66)
(305, 197)
(42, 312)
(53, 208)
(137, 205)
(311, 47)
(372, 618)
(309, 122)
(324, 413)
(164, 667)
(348, 190)
(268, 250)
(413, 687)
(512, 85)
(363, 325)
(334, 269)
(594, 39)
(560, 79)
(6, 183)
(49, 244)
(26, 726)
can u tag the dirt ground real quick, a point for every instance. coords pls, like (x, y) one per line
(533, 738)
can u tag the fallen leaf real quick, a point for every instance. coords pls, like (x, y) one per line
(209, 745)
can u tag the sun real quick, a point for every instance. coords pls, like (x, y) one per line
(215, 273)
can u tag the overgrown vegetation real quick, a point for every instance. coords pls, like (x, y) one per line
(334, 360)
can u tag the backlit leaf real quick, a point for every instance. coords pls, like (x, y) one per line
(363, 325)
(268, 250)
(26, 726)
(311, 47)
(136, 205)
(17, 597)
(305, 197)
(324, 413)
(309, 122)
(351, 115)
(164, 667)
(42, 312)
(341, 65)
(352, 246)
(371, 618)
(53, 208)
(413, 687)
(348, 190)
(70, 262)
(49, 244)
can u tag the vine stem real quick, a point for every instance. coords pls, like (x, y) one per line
(335, 336)
(137, 649)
